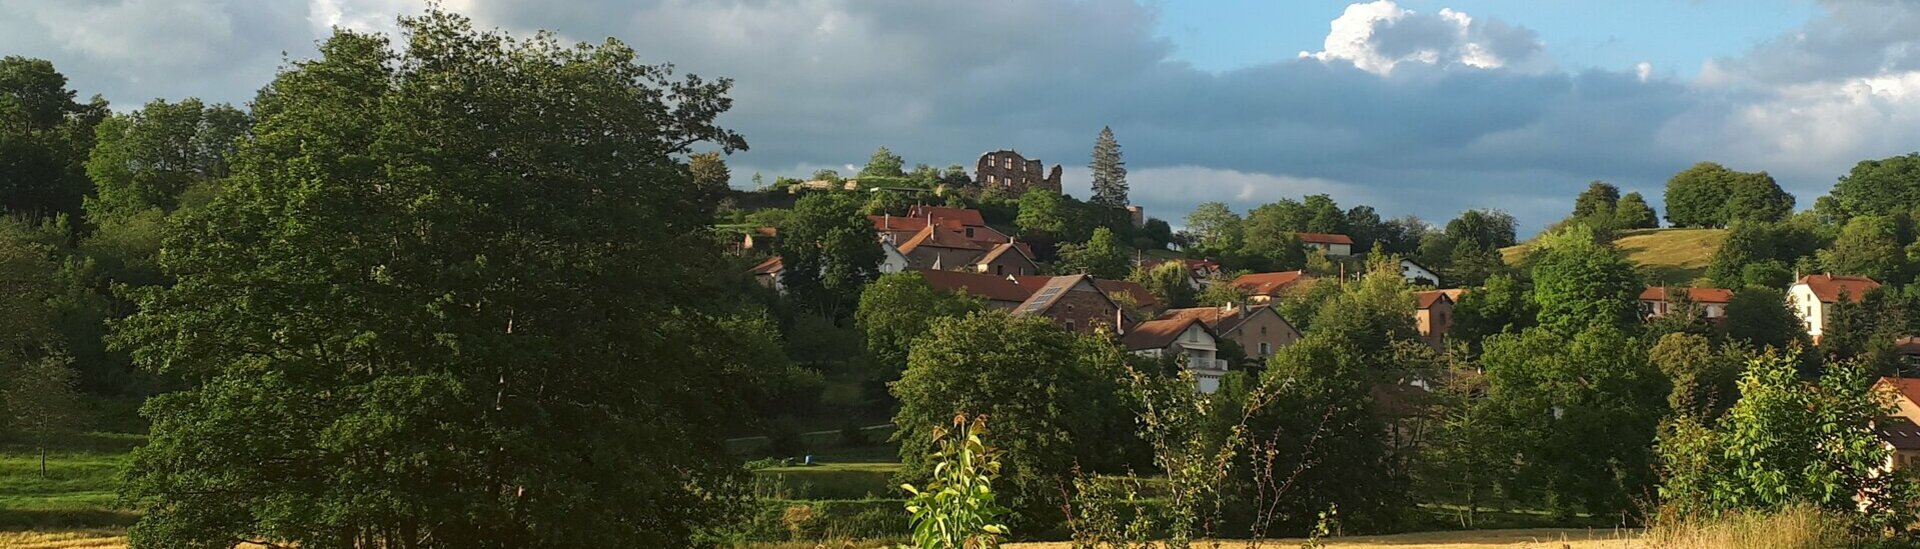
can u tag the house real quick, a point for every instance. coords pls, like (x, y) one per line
(1656, 301)
(1012, 291)
(769, 274)
(1265, 287)
(1258, 329)
(1417, 274)
(1129, 292)
(1007, 258)
(1901, 431)
(1007, 170)
(1075, 303)
(940, 248)
(1182, 336)
(968, 221)
(1333, 245)
(1433, 315)
(1812, 298)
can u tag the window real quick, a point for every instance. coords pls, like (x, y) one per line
(1069, 308)
(1070, 327)
(1263, 331)
(1265, 348)
(1009, 163)
(969, 232)
(1000, 269)
(991, 179)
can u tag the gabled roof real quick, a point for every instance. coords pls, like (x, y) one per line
(1160, 333)
(1325, 238)
(1696, 295)
(996, 288)
(1222, 320)
(963, 216)
(770, 266)
(1429, 298)
(1898, 432)
(1905, 387)
(1269, 284)
(1056, 288)
(938, 237)
(1003, 249)
(1829, 287)
(1139, 293)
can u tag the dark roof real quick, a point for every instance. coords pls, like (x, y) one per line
(1139, 293)
(1325, 238)
(1159, 333)
(1696, 295)
(770, 266)
(1829, 287)
(996, 288)
(1898, 432)
(1269, 284)
(961, 216)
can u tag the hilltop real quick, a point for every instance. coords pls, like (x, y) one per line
(1673, 256)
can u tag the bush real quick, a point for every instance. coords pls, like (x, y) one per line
(783, 440)
(776, 520)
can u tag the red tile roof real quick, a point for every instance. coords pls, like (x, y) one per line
(1429, 298)
(1696, 295)
(1140, 295)
(1269, 284)
(996, 288)
(1324, 238)
(938, 237)
(1903, 386)
(1829, 287)
(962, 216)
(1220, 319)
(1159, 333)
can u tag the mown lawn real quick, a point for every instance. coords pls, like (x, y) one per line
(78, 488)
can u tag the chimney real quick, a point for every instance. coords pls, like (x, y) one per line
(886, 220)
(1119, 322)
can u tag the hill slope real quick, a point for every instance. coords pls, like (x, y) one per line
(1671, 256)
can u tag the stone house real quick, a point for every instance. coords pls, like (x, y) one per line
(1007, 170)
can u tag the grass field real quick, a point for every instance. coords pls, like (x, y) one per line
(77, 490)
(1545, 538)
(1671, 256)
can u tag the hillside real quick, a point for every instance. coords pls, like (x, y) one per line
(1673, 256)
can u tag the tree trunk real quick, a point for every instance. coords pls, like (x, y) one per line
(43, 461)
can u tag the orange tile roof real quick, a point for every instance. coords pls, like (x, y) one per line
(1325, 238)
(770, 266)
(1696, 295)
(1829, 287)
(1429, 298)
(1221, 320)
(938, 237)
(1903, 386)
(1159, 333)
(1269, 284)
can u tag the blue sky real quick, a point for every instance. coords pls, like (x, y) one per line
(1675, 36)
(1416, 107)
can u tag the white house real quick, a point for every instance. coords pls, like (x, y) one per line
(1333, 245)
(1184, 335)
(1416, 274)
(1813, 297)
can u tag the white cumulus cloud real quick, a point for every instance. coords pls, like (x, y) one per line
(1378, 36)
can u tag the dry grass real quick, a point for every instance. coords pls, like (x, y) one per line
(1672, 256)
(72, 539)
(1541, 538)
(1799, 528)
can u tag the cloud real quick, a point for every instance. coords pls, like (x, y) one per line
(1379, 35)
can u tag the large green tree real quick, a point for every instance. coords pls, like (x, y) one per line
(1884, 186)
(1049, 418)
(830, 252)
(1102, 256)
(1109, 171)
(1216, 226)
(1579, 283)
(1710, 195)
(1870, 246)
(455, 294)
(1632, 212)
(884, 164)
(44, 139)
(148, 158)
(897, 309)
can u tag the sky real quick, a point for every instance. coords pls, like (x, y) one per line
(1422, 107)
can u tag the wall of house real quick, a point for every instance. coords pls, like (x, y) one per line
(950, 259)
(1808, 307)
(1009, 263)
(1082, 309)
(1009, 170)
(1434, 323)
(1264, 326)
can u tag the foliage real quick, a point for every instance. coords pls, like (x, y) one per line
(1498, 306)
(1779, 246)
(1042, 216)
(1632, 212)
(1710, 195)
(1870, 246)
(710, 173)
(1759, 316)
(1578, 283)
(431, 304)
(1220, 291)
(829, 252)
(44, 139)
(897, 309)
(1582, 412)
(1492, 229)
(884, 164)
(958, 509)
(1102, 256)
(984, 364)
(1880, 187)
(1109, 171)
(148, 158)
(1217, 227)
(1169, 281)
(1702, 381)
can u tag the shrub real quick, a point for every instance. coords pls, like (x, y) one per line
(1796, 527)
(783, 440)
(958, 507)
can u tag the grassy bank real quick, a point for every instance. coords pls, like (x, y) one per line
(77, 489)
